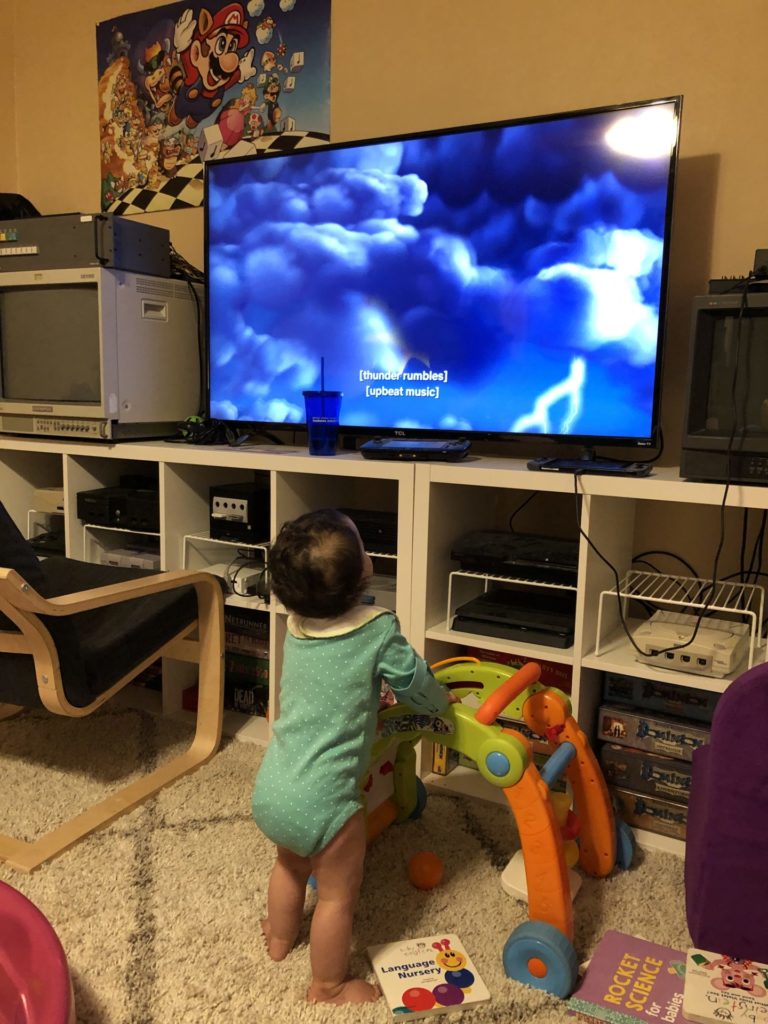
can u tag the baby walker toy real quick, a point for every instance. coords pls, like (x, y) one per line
(540, 951)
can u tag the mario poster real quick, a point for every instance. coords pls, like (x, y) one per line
(184, 83)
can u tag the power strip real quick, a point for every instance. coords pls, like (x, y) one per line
(717, 649)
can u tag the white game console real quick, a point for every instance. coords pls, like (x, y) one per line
(717, 649)
(48, 499)
(132, 558)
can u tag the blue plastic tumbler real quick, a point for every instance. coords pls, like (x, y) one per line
(322, 409)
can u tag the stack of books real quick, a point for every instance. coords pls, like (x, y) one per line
(246, 661)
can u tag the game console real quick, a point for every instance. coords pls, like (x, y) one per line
(377, 529)
(242, 577)
(524, 555)
(240, 512)
(132, 558)
(415, 449)
(48, 499)
(717, 649)
(128, 508)
(532, 616)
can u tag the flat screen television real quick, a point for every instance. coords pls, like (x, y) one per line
(494, 281)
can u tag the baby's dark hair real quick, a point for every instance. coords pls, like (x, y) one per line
(316, 565)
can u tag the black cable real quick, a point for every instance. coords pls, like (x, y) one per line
(201, 352)
(245, 560)
(670, 554)
(235, 437)
(709, 586)
(651, 566)
(521, 506)
(756, 560)
(743, 546)
(659, 453)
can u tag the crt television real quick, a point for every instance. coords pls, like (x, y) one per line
(501, 280)
(97, 353)
(725, 433)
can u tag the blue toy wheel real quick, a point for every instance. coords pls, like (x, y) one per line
(421, 801)
(625, 844)
(539, 955)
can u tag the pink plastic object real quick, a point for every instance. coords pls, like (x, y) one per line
(35, 987)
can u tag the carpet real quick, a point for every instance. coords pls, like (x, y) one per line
(159, 913)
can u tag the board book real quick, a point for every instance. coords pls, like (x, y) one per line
(719, 987)
(630, 979)
(427, 976)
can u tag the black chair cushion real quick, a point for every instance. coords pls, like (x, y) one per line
(98, 647)
(17, 553)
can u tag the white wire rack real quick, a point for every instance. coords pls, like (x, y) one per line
(471, 589)
(93, 530)
(691, 594)
(199, 541)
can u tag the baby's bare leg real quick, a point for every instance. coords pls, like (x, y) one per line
(285, 902)
(338, 870)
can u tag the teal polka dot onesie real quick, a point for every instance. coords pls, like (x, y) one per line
(309, 783)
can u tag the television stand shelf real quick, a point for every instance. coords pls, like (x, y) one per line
(435, 503)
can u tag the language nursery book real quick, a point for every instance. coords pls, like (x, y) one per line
(424, 977)
(630, 979)
(719, 987)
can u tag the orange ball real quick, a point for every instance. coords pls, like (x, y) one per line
(425, 870)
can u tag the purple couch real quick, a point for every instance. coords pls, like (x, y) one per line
(726, 853)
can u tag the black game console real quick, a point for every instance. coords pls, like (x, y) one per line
(612, 467)
(415, 449)
(378, 530)
(128, 508)
(524, 555)
(240, 512)
(543, 617)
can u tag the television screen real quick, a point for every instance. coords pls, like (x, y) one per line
(496, 280)
(41, 361)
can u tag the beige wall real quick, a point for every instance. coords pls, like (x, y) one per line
(8, 104)
(405, 65)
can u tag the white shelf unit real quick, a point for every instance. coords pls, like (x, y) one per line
(435, 504)
(298, 483)
(622, 516)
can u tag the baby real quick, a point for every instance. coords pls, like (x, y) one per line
(308, 798)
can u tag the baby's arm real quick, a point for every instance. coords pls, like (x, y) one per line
(409, 675)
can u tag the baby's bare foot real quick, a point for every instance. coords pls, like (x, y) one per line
(277, 949)
(355, 990)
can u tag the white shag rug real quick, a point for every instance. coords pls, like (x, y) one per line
(159, 913)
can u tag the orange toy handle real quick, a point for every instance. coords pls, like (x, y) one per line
(494, 704)
(466, 659)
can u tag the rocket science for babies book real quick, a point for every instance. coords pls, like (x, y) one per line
(630, 979)
(424, 977)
